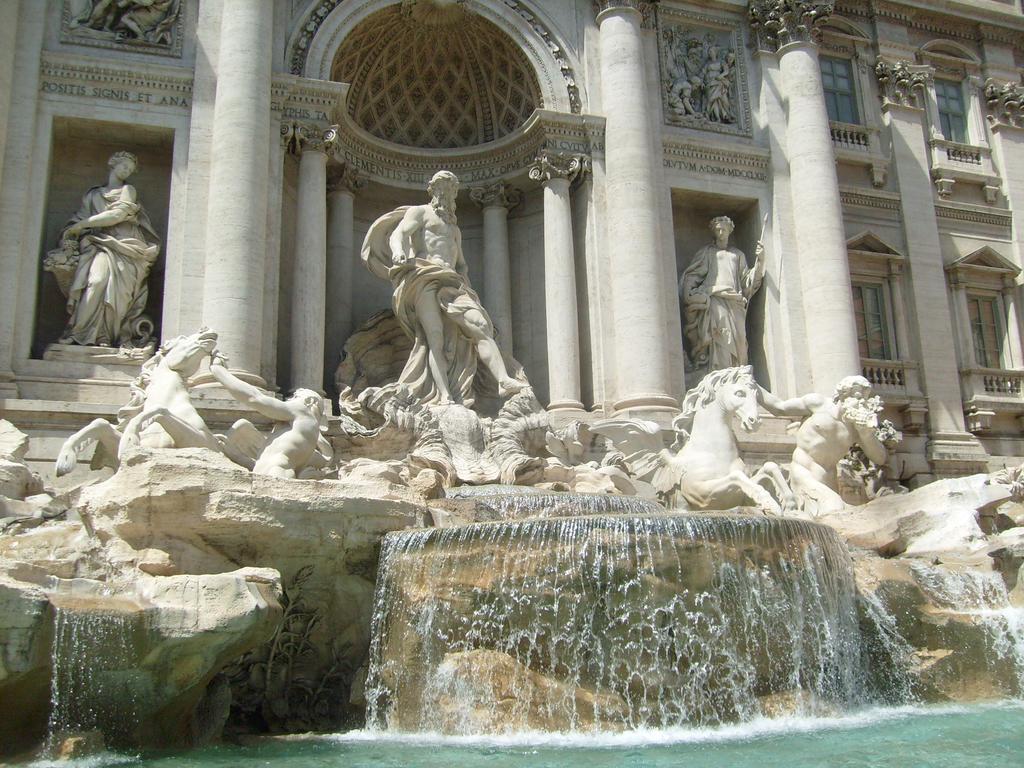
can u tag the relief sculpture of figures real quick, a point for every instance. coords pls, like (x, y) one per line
(830, 427)
(106, 252)
(715, 290)
(701, 74)
(149, 21)
(419, 250)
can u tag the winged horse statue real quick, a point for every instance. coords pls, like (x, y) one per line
(703, 468)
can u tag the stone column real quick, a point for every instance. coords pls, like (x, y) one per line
(497, 200)
(343, 181)
(309, 269)
(789, 28)
(899, 310)
(1013, 340)
(643, 382)
(239, 158)
(950, 447)
(556, 172)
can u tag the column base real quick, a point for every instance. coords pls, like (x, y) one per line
(955, 454)
(566, 405)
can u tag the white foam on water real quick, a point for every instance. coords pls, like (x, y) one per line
(760, 728)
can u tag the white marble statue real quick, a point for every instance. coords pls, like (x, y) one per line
(159, 414)
(297, 446)
(830, 427)
(419, 250)
(107, 250)
(715, 290)
(703, 469)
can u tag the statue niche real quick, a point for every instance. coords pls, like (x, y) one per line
(103, 262)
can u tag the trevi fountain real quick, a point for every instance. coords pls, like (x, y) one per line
(301, 467)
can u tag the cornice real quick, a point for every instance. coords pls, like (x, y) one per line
(974, 214)
(870, 198)
(73, 67)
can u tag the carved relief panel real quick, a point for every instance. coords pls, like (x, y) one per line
(145, 26)
(703, 76)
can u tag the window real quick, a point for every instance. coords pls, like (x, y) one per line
(986, 330)
(837, 80)
(872, 330)
(952, 120)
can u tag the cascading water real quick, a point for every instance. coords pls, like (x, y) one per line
(983, 597)
(611, 622)
(91, 689)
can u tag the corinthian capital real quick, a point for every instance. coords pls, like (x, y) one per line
(614, 5)
(902, 83)
(777, 22)
(555, 165)
(496, 195)
(1005, 103)
(344, 178)
(298, 137)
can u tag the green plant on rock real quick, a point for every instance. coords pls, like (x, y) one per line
(286, 685)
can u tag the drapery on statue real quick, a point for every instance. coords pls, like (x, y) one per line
(419, 249)
(715, 289)
(830, 427)
(107, 250)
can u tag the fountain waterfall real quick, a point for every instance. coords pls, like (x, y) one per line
(611, 622)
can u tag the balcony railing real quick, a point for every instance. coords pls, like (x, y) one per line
(993, 383)
(850, 136)
(898, 377)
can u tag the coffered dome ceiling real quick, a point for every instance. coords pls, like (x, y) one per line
(433, 75)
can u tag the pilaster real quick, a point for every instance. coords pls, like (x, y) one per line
(343, 182)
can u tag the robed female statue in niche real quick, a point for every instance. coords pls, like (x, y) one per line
(105, 255)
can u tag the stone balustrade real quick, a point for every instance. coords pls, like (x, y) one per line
(850, 136)
(892, 377)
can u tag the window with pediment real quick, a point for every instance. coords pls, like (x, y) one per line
(949, 97)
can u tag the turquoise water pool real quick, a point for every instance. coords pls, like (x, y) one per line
(909, 737)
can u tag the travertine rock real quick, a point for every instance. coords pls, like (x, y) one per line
(486, 691)
(936, 518)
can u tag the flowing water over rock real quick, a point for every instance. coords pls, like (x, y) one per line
(94, 662)
(610, 623)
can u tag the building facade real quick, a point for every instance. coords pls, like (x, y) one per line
(874, 147)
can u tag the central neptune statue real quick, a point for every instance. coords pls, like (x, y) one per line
(419, 249)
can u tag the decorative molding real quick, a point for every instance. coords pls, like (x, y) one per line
(93, 79)
(550, 165)
(1005, 103)
(118, 26)
(695, 157)
(901, 83)
(868, 198)
(494, 195)
(299, 47)
(687, 69)
(412, 169)
(974, 215)
(299, 98)
(778, 22)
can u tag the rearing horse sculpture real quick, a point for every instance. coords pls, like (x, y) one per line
(159, 413)
(703, 469)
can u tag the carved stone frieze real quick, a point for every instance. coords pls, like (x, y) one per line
(702, 72)
(901, 83)
(157, 87)
(1005, 103)
(778, 22)
(140, 26)
(554, 165)
(497, 194)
